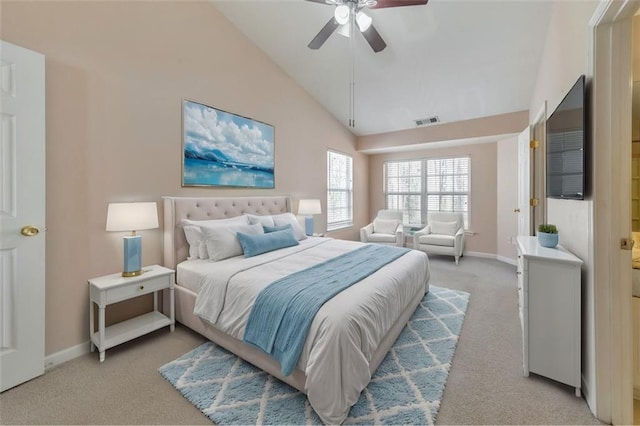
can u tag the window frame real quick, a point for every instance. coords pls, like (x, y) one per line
(342, 224)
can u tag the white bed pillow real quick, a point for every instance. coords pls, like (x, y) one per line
(195, 237)
(222, 241)
(444, 228)
(265, 220)
(285, 218)
(385, 226)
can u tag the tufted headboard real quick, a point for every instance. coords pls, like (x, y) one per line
(176, 248)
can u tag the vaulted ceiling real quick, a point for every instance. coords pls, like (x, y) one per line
(454, 59)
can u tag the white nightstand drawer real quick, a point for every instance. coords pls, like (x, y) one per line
(137, 288)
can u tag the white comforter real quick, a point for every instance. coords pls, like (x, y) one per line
(345, 332)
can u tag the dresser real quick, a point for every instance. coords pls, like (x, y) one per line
(549, 306)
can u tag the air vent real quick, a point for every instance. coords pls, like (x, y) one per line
(428, 120)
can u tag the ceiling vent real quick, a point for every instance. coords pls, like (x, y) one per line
(428, 120)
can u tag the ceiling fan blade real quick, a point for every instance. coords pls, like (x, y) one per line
(318, 1)
(375, 40)
(324, 34)
(395, 3)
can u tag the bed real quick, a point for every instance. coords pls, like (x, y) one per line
(347, 340)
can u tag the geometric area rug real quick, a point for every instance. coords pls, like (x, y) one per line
(405, 389)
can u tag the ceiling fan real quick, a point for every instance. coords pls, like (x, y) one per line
(350, 12)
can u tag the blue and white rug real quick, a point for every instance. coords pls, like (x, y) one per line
(406, 388)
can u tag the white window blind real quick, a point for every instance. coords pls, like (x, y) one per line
(417, 187)
(448, 186)
(403, 181)
(339, 190)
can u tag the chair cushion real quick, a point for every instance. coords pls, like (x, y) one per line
(437, 240)
(384, 226)
(382, 238)
(445, 228)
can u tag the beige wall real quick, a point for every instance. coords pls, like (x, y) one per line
(507, 198)
(565, 57)
(636, 48)
(635, 117)
(482, 218)
(116, 73)
(487, 127)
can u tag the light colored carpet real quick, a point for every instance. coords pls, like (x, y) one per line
(405, 389)
(485, 384)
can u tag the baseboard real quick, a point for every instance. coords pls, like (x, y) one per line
(508, 260)
(53, 360)
(483, 255)
(586, 393)
(480, 254)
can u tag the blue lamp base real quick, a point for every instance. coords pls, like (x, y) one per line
(308, 225)
(132, 256)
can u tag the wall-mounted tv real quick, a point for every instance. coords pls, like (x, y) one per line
(566, 145)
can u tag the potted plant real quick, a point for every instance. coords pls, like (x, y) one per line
(547, 235)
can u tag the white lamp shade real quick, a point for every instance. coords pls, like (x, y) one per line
(308, 207)
(364, 21)
(132, 216)
(342, 14)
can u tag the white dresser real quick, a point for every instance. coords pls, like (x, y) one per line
(549, 302)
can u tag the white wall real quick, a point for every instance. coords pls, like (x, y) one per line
(566, 57)
(507, 198)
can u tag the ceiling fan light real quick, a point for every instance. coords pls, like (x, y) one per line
(364, 21)
(342, 14)
(344, 31)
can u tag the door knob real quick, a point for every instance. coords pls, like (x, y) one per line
(29, 230)
(516, 210)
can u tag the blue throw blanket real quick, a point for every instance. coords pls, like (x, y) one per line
(284, 310)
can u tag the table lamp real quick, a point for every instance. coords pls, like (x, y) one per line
(132, 217)
(309, 208)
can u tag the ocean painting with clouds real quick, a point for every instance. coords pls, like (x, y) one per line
(224, 149)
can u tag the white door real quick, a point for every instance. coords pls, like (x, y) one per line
(524, 182)
(22, 215)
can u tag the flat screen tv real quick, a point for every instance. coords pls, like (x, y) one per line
(566, 145)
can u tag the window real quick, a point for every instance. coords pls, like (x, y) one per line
(339, 190)
(418, 187)
(404, 189)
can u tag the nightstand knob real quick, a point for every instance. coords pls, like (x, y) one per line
(141, 287)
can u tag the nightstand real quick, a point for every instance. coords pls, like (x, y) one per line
(114, 288)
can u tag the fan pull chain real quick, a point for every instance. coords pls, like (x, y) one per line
(352, 84)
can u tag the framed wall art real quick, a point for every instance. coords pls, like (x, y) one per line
(224, 149)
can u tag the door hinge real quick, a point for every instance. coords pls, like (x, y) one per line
(626, 243)
(534, 202)
(534, 144)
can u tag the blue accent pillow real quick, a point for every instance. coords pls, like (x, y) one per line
(255, 244)
(268, 229)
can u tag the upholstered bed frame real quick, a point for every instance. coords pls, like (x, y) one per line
(176, 250)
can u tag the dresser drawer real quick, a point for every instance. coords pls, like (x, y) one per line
(137, 288)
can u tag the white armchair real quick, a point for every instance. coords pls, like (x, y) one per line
(444, 234)
(385, 229)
